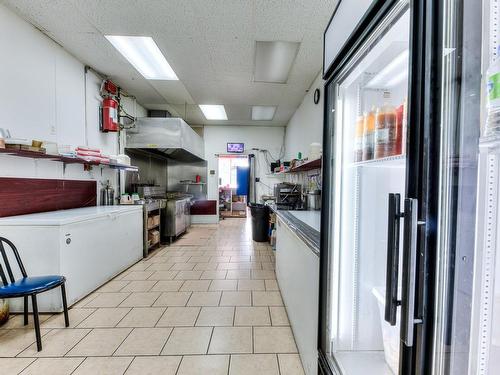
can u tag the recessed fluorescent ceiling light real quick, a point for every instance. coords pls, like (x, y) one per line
(213, 111)
(274, 60)
(394, 68)
(143, 53)
(263, 112)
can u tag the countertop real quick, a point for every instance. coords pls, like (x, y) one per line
(305, 224)
(63, 217)
(311, 218)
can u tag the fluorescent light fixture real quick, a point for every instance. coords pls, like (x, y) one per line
(274, 60)
(391, 70)
(213, 111)
(263, 112)
(143, 53)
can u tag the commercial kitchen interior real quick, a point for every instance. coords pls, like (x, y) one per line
(275, 187)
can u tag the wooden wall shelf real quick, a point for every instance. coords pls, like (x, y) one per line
(63, 159)
(307, 166)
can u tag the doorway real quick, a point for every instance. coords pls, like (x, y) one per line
(234, 177)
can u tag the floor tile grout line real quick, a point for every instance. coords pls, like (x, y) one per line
(28, 365)
(197, 316)
(84, 359)
(130, 363)
(79, 341)
(179, 365)
(118, 347)
(210, 340)
(278, 361)
(168, 338)
(92, 313)
(253, 341)
(31, 343)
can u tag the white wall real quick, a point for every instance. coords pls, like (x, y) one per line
(216, 138)
(42, 96)
(306, 124)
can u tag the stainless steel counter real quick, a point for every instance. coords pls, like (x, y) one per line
(306, 224)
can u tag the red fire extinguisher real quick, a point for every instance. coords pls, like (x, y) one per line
(109, 107)
(109, 115)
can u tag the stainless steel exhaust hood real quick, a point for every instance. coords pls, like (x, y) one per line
(170, 137)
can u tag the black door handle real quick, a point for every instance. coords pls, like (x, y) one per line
(408, 319)
(392, 271)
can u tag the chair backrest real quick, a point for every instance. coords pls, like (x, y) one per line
(6, 263)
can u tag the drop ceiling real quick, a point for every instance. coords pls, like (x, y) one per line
(210, 44)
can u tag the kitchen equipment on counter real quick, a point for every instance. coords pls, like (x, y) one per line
(18, 141)
(314, 200)
(314, 151)
(107, 195)
(64, 149)
(135, 197)
(50, 148)
(126, 199)
(288, 196)
(4, 133)
(123, 159)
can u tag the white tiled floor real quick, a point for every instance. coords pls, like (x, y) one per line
(208, 304)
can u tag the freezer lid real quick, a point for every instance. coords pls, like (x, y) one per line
(64, 217)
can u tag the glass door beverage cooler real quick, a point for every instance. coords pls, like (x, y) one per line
(401, 145)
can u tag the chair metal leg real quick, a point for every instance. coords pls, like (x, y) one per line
(37, 323)
(65, 305)
(25, 310)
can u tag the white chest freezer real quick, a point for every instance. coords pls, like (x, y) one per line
(88, 246)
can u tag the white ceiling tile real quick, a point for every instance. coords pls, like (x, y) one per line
(209, 44)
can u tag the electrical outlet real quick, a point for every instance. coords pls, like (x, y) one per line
(257, 179)
(53, 130)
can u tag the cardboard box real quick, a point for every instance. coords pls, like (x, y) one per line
(150, 222)
(154, 236)
(156, 220)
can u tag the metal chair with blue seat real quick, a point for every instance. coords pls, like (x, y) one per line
(28, 287)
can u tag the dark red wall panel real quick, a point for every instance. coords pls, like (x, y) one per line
(20, 196)
(208, 207)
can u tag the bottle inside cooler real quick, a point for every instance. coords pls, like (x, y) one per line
(385, 132)
(368, 134)
(493, 97)
(358, 140)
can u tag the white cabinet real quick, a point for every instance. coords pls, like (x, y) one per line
(297, 271)
(88, 246)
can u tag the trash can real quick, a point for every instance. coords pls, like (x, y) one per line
(260, 222)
